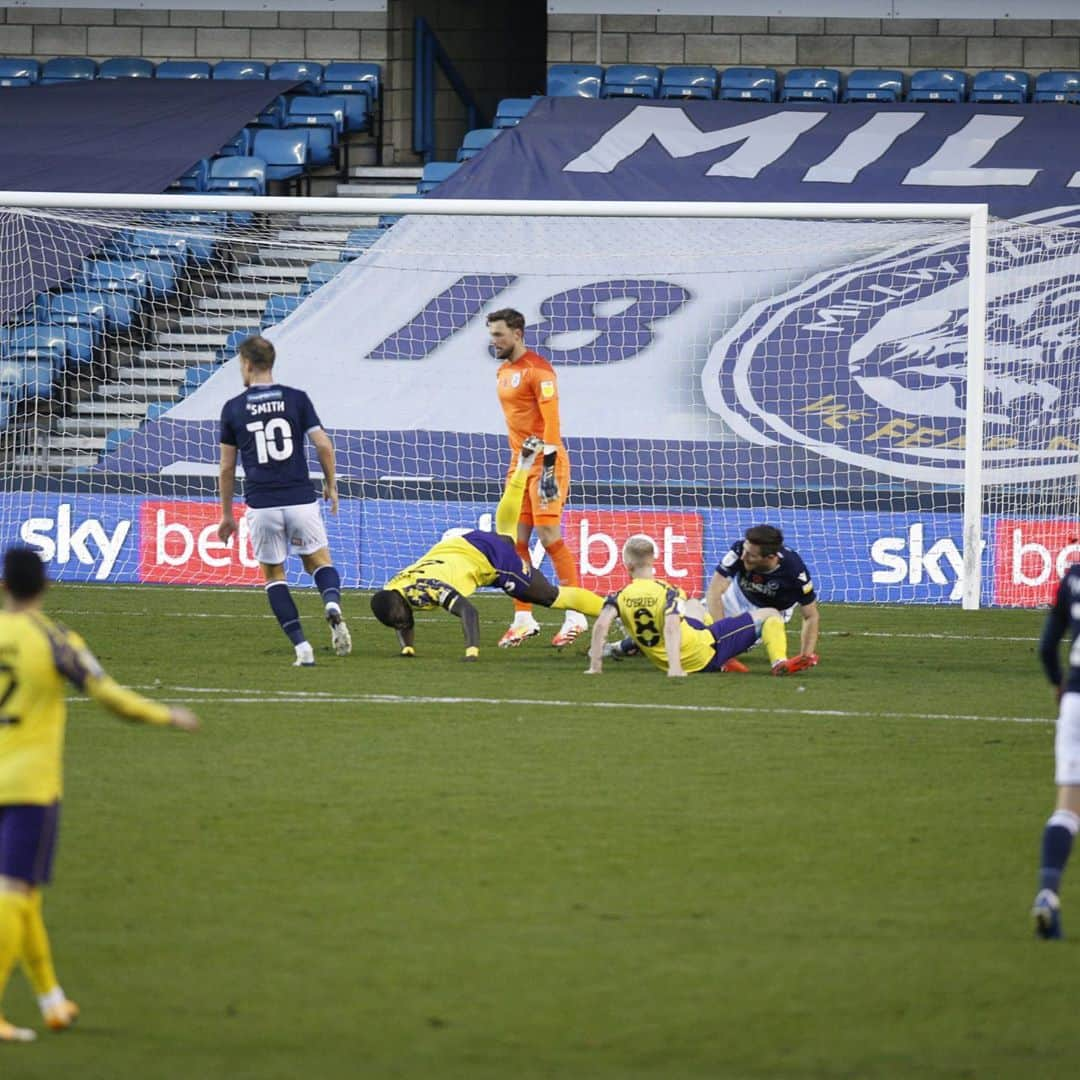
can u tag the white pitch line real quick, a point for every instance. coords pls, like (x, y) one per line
(297, 697)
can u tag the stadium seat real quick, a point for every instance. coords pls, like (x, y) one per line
(285, 152)
(19, 72)
(279, 307)
(631, 80)
(318, 275)
(112, 311)
(358, 241)
(126, 67)
(683, 81)
(232, 343)
(239, 69)
(140, 276)
(1057, 86)
(435, 172)
(475, 141)
(62, 345)
(943, 84)
(748, 84)
(183, 69)
(62, 69)
(574, 80)
(358, 84)
(868, 85)
(23, 378)
(306, 72)
(511, 111)
(239, 145)
(1012, 87)
(323, 117)
(811, 84)
(194, 180)
(237, 176)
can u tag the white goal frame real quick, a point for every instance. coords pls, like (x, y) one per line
(975, 214)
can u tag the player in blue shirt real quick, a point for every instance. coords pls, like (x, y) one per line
(266, 426)
(759, 572)
(1064, 822)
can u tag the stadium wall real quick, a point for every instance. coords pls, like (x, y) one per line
(843, 43)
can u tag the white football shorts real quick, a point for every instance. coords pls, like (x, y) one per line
(277, 530)
(735, 602)
(1067, 741)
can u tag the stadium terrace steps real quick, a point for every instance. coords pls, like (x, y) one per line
(241, 307)
(176, 357)
(260, 289)
(337, 222)
(207, 339)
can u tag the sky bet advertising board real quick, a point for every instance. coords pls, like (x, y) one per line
(723, 354)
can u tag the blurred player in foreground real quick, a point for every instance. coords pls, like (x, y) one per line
(36, 656)
(1064, 822)
(673, 632)
(456, 567)
(529, 395)
(266, 425)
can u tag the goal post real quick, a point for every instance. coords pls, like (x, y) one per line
(808, 359)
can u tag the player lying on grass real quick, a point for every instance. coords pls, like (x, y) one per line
(36, 656)
(759, 572)
(673, 632)
(457, 566)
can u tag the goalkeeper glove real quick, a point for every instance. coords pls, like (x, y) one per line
(549, 486)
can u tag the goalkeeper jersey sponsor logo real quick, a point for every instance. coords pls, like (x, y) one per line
(866, 365)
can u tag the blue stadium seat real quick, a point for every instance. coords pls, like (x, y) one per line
(435, 172)
(574, 80)
(631, 80)
(19, 72)
(1057, 86)
(353, 77)
(319, 274)
(62, 69)
(126, 67)
(285, 152)
(194, 180)
(811, 84)
(140, 276)
(939, 84)
(232, 343)
(237, 176)
(1012, 87)
(871, 85)
(199, 229)
(279, 307)
(475, 141)
(21, 377)
(239, 145)
(306, 72)
(358, 241)
(239, 69)
(323, 118)
(183, 69)
(748, 84)
(61, 345)
(511, 111)
(114, 311)
(682, 81)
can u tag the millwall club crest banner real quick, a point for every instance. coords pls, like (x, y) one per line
(1016, 158)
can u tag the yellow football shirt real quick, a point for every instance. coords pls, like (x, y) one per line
(643, 605)
(454, 562)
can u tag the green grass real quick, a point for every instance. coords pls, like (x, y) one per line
(730, 876)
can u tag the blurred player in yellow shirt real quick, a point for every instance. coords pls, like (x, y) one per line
(36, 657)
(529, 396)
(676, 634)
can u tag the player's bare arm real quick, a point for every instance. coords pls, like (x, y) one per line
(673, 645)
(714, 598)
(324, 448)
(227, 489)
(808, 632)
(599, 636)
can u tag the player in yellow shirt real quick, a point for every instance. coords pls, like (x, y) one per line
(36, 657)
(457, 566)
(673, 632)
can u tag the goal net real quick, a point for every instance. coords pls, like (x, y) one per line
(714, 371)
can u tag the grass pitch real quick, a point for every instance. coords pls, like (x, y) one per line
(384, 868)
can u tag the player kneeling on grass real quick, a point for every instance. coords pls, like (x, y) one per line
(36, 656)
(673, 632)
(456, 567)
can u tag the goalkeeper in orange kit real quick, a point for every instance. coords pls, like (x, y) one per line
(529, 395)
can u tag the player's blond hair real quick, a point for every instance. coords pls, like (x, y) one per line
(638, 551)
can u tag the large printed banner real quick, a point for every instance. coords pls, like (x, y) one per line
(871, 557)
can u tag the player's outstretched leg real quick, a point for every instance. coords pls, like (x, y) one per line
(13, 908)
(57, 1009)
(284, 608)
(328, 582)
(507, 514)
(1057, 843)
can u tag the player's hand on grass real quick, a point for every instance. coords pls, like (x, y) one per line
(182, 718)
(329, 493)
(226, 528)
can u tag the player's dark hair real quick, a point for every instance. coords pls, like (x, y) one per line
(513, 319)
(24, 573)
(258, 352)
(768, 538)
(392, 609)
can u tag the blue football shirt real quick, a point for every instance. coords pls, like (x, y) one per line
(1064, 616)
(787, 584)
(267, 424)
